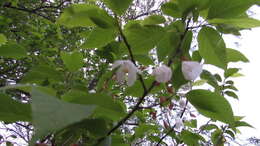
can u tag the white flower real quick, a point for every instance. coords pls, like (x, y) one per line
(178, 123)
(162, 74)
(191, 69)
(125, 67)
(182, 103)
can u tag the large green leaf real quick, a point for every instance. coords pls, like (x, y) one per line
(143, 38)
(106, 106)
(51, 114)
(85, 15)
(98, 38)
(212, 47)
(12, 50)
(235, 56)
(237, 22)
(228, 8)
(171, 9)
(13, 111)
(72, 60)
(3, 39)
(153, 20)
(167, 45)
(211, 105)
(42, 72)
(118, 6)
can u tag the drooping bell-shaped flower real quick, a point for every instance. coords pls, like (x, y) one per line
(125, 68)
(191, 69)
(162, 74)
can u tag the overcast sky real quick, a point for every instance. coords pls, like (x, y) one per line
(249, 85)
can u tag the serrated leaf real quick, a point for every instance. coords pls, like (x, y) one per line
(211, 105)
(177, 77)
(242, 124)
(153, 20)
(217, 138)
(228, 8)
(13, 111)
(40, 73)
(231, 94)
(235, 56)
(143, 59)
(190, 138)
(238, 22)
(167, 45)
(106, 106)
(212, 47)
(118, 6)
(12, 50)
(85, 15)
(143, 38)
(209, 127)
(229, 72)
(99, 38)
(51, 114)
(172, 9)
(199, 82)
(72, 60)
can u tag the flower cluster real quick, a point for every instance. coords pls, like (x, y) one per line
(190, 69)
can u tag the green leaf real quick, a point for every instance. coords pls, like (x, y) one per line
(211, 79)
(153, 20)
(212, 47)
(211, 105)
(172, 9)
(231, 133)
(51, 114)
(145, 129)
(177, 77)
(106, 106)
(40, 73)
(3, 39)
(12, 50)
(235, 56)
(72, 60)
(13, 111)
(106, 142)
(196, 56)
(85, 15)
(185, 47)
(199, 82)
(238, 22)
(228, 8)
(167, 45)
(235, 75)
(190, 138)
(143, 59)
(143, 38)
(99, 38)
(229, 72)
(231, 94)
(208, 127)
(137, 89)
(217, 138)
(242, 124)
(118, 6)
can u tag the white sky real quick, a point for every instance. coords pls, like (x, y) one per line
(249, 97)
